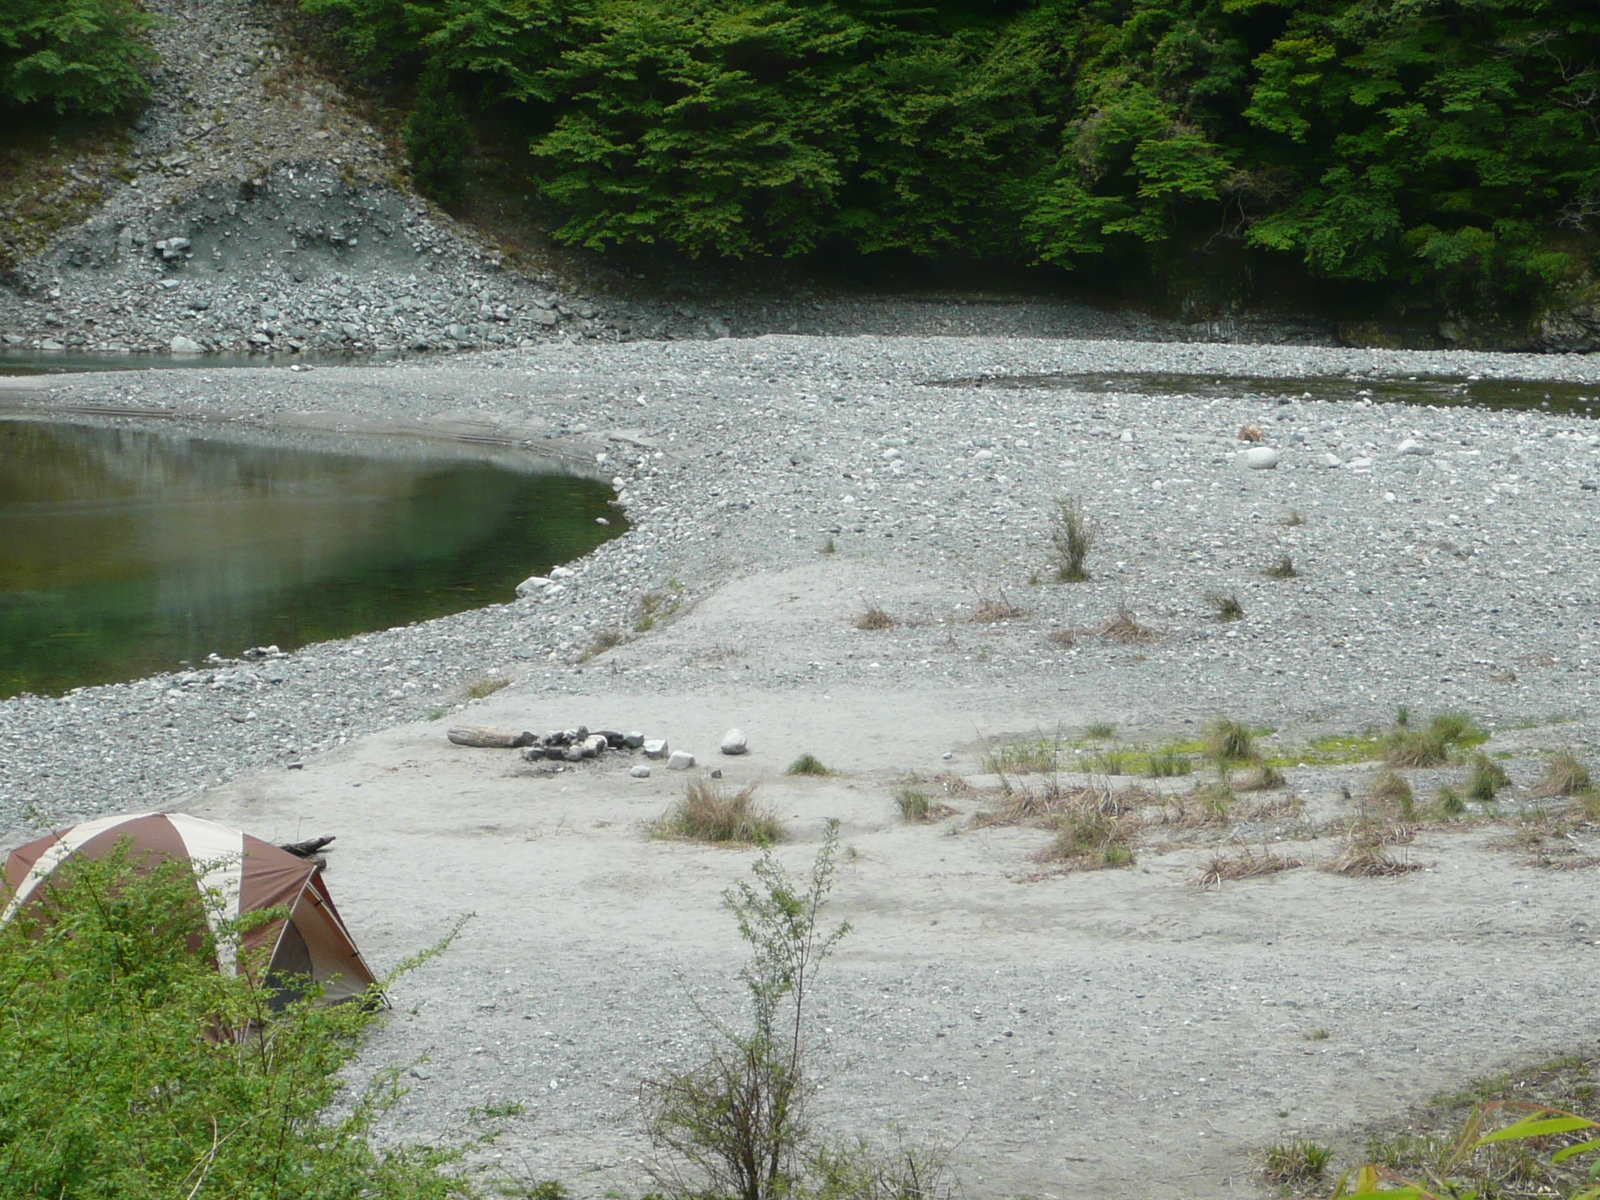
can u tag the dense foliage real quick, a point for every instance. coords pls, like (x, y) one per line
(1451, 143)
(86, 56)
(119, 1075)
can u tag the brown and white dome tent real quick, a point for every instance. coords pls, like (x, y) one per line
(248, 873)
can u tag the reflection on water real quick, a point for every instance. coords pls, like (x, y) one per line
(1543, 395)
(125, 552)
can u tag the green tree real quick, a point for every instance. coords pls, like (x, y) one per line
(86, 56)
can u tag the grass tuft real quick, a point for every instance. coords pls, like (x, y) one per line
(709, 812)
(807, 764)
(1563, 775)
(917, 807)
(606, 639)
(1283, 568)
(1166, 763)
(1072, 536)
(486, 685)
(1295, 1161)
(1447, 802)
(988, 610)
(1089, 840)
(1264, 778)
(1228, 741)
(1485, 778)
(1225, 606)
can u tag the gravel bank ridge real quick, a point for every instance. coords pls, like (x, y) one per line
(1451, 578)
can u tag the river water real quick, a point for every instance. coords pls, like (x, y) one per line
(125, 552)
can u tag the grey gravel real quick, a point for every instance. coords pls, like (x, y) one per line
(1455, 579)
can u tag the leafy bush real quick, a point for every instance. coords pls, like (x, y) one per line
(87, 56)
(134, 1068)
(436, 134)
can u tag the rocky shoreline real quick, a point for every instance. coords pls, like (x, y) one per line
(1441, 565)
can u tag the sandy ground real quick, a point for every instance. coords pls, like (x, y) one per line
(1117, 1033)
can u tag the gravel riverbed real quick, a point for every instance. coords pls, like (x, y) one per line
(1456, 576)
(776, 486)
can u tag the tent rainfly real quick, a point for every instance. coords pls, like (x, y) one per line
(248, 873)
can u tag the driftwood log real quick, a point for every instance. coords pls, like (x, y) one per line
(494, 739)
(309, 848)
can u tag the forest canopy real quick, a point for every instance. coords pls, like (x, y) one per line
(1451, 147)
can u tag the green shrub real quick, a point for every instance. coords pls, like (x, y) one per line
(85, 56)
(135, 1068)
(436, 137)
(1229, 742)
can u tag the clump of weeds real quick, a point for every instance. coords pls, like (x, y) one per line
(1564, 775)
(989, 609)
(873, 617)
(1224, 606)
(711, 812)
(807, 764)
(917, 807)
(1432, 744)
(1125, 627)
(1485, 778)
(1391, 792)
(1089, 840)
(1282, 568)
(1242, 864)
(485, 685)
(1295, 1161)
(1021, 756)
(1072, 536)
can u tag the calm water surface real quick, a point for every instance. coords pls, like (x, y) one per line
(124, 553)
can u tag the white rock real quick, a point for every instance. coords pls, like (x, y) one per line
(1127, 435)
(1331, 460)
(681, 760)
(594, 745)
(532, 585)
(640, 772)
(1258, 458)
(183, 345)
(562, 572)
(1363, 463)
(1412, 446)
(656, 748)
(734, 742)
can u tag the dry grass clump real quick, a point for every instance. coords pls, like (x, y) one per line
(1064, 638)
(1206, 807)
(1295, 1161)
(1264, 778)
(1391, 793)
(1090, 841)
(1047, 804)
(874, 618)
(1123, 627)
(1366, 851)
(1244, 864)
(1282, 568)
(988, 610)
(710, 812)
(1563, 775)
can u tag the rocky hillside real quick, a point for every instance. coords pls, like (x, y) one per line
(251, 208)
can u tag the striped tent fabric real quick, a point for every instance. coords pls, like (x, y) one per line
(244, 872)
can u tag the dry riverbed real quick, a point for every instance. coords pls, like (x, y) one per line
(1118, 1031)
